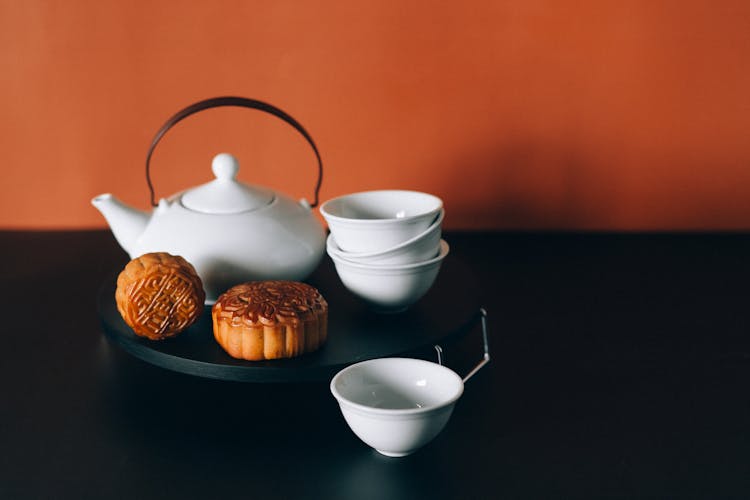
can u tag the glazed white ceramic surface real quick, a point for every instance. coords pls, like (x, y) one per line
(390, 288)
(241, 233)
(375, 221)
(418, 249)
(396, 405)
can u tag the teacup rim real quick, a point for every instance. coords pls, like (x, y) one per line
(332, 243)
(387, 220)
(393, 412)
(444, 250)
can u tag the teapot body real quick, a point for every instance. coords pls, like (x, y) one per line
(282, 240)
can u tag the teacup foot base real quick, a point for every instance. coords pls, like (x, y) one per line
(379, 310)
(386, 309)
(392, 454)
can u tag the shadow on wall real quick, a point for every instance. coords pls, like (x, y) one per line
(529, 185)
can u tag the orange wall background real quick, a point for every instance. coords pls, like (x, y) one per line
(530, 114)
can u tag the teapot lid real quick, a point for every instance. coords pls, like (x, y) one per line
(225, 195)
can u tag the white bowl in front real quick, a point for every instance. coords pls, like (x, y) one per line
(396, 405)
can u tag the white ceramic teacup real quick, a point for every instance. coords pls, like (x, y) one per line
(390, 288)
(374, 221)
(422, 247)
(396, 405)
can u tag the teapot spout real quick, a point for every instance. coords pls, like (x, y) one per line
(127, 223)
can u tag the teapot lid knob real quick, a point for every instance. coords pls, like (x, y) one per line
(225, 194)
(225, 166)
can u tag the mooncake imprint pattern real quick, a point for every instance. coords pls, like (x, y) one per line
(270, 320)
(159, 295)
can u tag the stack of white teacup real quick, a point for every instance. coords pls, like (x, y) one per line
(386, 245)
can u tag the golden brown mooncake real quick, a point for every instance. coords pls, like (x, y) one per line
(159, 295)
(270, 320)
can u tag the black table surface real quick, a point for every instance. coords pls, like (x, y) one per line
(621, 368)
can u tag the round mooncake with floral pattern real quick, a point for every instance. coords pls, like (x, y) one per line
(159, 295)
(270, 320)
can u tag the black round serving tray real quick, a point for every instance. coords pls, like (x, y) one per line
(355, 333)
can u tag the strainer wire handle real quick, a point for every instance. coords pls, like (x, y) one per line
(486, 345)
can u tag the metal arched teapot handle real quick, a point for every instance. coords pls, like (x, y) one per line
(216, 102)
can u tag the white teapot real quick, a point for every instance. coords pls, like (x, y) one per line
(231, 232)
